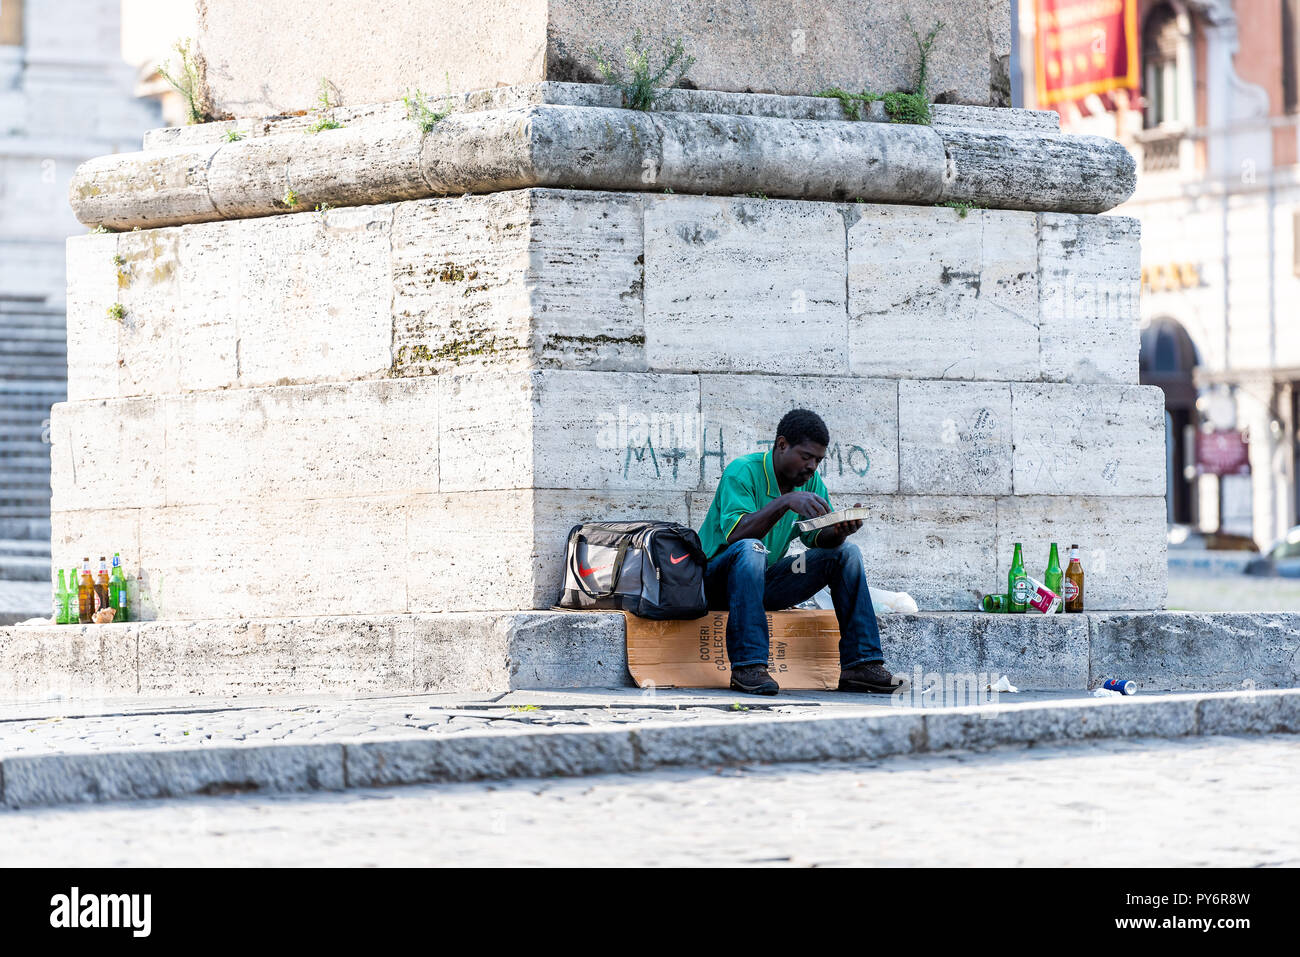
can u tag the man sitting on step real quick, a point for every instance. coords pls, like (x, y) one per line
(745, 535)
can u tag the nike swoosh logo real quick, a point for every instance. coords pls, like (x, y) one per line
(678, 559)
(587, 571)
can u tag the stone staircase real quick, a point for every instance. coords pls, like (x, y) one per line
(33, 376)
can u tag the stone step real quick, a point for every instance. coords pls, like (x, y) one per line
(18, 450)
(19, 346)
(24, 546)
(16, 334)
(32, 568)
(483, 651)
(844, 732)
(36, 369)
(25, 529)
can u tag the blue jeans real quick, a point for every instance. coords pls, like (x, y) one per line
(737, 580)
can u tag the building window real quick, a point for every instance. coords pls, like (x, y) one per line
(1160, 81)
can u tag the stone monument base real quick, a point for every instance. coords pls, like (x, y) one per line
(503, 651)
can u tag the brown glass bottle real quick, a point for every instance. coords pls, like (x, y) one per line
(102, 585)
(1074, 582)
(85, 594)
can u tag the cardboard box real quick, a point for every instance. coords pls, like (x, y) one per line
(804, 653)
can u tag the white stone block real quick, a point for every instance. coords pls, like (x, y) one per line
(1121, 545)
(1088, 439)
(937, 295)
(1089, 304)
(468, 551)
(740, 414)
(315, 297)
(486, 433)
(250, 559)
(150, 341)
(615, 430)
(459, 296)
(954, 437)
(107, 454)
(302, 442)
(937, 548)
(586, 277)
(745, 285)
(92, 332)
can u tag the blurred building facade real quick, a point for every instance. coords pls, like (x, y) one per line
(1215, 130)
(66, 95)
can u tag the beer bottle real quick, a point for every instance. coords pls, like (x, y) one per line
(1017, 584)
(61, 598)
(117, 589)
(1052, 577)
(101, 586)
(1074, 582)
(85, 594)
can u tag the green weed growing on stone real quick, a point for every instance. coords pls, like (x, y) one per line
(101, 228)
(233, 136)
(323, 208)
(187, 80)
(900, 107)
(119, 261)
(326, 100)
(850, 102)
(290, 198)
(117, 311)
(641, 88)
(420, 112)
(961, 206)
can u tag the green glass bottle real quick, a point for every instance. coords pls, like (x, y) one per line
(1017, 584)
(61, 596)
(117, 589)
(1054, 578)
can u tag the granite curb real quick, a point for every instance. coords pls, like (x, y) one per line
(44, 780)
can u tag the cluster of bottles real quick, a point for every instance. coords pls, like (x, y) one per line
(1058, 591)
(88, 599)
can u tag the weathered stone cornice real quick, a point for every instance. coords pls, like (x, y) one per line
(587, 147)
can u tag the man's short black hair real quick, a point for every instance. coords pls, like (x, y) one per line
(799, 425)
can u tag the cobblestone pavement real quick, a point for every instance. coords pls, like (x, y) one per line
(61, 726)
(1161, 802)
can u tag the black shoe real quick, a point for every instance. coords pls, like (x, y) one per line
(871, 677)
(753, 679)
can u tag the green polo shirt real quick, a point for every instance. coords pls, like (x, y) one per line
(748, 484)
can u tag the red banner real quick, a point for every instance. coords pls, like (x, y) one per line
(1085, 46)
(1222, 453)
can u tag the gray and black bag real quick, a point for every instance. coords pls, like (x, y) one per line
(652, 569)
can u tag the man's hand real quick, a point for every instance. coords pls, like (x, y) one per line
(833, 535)
(808, 505)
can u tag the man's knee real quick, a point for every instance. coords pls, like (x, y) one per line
(848, 556)
(751, 556)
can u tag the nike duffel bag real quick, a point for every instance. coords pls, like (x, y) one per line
(652, 569)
